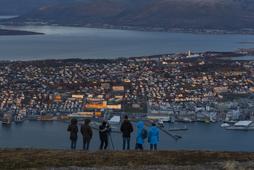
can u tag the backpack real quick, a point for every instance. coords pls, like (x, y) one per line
(144, 134)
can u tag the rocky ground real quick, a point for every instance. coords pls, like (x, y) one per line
(162, 160)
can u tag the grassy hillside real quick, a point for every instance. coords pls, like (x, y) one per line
(23, 159)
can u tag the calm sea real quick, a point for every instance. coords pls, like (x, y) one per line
(72, 42)
(53, 135)
(75, 42)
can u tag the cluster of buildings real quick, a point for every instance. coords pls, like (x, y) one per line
(187, 86)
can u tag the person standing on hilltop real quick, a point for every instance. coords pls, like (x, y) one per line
(141, 135)
(126, 129)
(153, 137)
(73, 129)
(87, 134)
(104, 129)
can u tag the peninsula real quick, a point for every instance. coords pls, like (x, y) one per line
(18, 32)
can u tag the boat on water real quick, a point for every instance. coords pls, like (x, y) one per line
(160, 123)
(224, 125)
(241, 125)
(185, 120)
(115, 120)
(19, 118)
(178, 128)
(7, 119)
(46, 118)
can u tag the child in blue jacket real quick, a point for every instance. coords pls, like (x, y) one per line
(153, 137)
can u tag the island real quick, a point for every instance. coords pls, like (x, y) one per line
(18, 32)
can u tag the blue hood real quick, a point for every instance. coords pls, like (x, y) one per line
(140, 125)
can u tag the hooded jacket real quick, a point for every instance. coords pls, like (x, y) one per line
(153, 135)
(140, 126)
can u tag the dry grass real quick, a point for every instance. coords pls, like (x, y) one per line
(27, 159)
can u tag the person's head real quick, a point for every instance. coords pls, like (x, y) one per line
(104, 122)
(153, 124)
(126, 117)
(74, 121)
(87, 121)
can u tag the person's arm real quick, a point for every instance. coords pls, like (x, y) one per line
(91, 132)
(158, 135)
(103, 129)
(121, 127)
(69, 128)
(82, 130)
(131, 127)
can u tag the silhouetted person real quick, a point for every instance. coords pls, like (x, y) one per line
(126, 129)
(103, 131)
(153, 137)
(73, 129)
(87, 134)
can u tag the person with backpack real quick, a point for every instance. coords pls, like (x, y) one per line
(141, 135)
(126, 129)
(104, 129)
(153, 137)
(73, 129)
(87, 134)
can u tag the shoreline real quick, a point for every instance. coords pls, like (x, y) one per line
(218, 55)
(10, 32)
(245, 31)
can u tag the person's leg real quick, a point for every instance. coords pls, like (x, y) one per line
(151, 147)
(102, 143)
(155, 147)
(84, 143)
(87, 144)
(136, 146)
(141, 147)
(106, 143)
(71, 144)
(124, 142)
(128, 143)
(74, 144)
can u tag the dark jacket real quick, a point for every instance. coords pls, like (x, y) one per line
(73, 129)
(104, 130)
(86, 131)
(126, 128)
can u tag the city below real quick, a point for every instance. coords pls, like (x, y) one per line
(188, 87)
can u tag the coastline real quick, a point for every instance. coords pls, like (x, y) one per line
(133, 28)
(6, 32)
(205, 54)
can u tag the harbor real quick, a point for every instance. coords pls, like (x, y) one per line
(199, 136)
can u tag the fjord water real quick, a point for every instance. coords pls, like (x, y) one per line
(73, 42)
(53, 135)
(76, 42)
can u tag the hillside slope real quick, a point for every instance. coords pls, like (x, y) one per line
(165, 14)
(43, 159)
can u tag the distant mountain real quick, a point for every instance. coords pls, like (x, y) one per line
(19, 7)
(165, 14)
